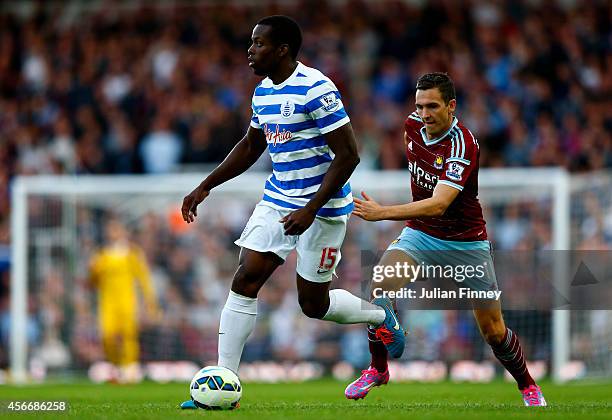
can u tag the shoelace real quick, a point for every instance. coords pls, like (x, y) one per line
(384, 335)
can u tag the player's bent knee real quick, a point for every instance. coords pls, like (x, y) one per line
(312, 309)
(246, 283)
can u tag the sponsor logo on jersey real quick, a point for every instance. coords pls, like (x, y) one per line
(410, 146)
(277, 137)
(454, 171)
(439, 162)
(287, 108)
(330, 102)
(421, 177)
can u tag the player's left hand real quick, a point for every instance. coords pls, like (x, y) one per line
(189, 209)
(296, 222)
(367, 209)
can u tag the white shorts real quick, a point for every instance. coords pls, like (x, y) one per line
(318, 249)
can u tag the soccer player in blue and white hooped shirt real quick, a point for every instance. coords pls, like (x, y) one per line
(299, 117)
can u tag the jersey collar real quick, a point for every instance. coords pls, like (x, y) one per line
(288, 79)
(439, 138)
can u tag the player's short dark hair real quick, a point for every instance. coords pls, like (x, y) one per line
(284, 31)
(442, 81)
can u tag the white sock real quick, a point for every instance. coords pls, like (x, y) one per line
(237, 323)
(346, 308)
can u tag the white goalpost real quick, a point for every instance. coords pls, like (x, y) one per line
(47, 214)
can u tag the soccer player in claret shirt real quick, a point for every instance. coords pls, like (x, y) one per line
(446, 216)
(298, 116)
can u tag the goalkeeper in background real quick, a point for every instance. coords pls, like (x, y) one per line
(114, 271)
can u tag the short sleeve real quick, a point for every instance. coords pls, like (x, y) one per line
(461, 159)
(325, 107)
(255, 118)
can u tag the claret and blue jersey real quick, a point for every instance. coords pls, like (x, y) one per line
(450, 159)
(295, 116)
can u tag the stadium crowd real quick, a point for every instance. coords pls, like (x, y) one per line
(154, 89)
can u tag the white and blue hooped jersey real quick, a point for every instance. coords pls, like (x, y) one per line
(295, 116)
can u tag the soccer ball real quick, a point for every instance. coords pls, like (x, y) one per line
(215, 388)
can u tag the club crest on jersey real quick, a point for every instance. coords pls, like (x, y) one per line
(454, 171)
(287, 108)
(438, 162)
(277, 136)
(330, 102)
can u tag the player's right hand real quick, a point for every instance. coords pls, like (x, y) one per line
(189, 210)
(367, 209)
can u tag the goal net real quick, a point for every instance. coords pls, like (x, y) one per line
(591, 233)
(58, 223)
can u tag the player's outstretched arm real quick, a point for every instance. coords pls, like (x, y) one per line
(241, 158)
(342, 142)
(436, 205)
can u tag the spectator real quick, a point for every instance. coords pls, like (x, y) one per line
(160, 149)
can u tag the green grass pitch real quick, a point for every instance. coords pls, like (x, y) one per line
(322, 399)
